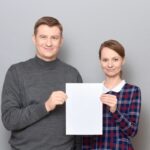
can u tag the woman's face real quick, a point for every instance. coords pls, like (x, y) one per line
(111, 62)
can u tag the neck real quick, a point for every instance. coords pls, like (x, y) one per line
(112, 82)
(46, 59)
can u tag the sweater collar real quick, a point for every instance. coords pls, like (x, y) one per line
(46, 64)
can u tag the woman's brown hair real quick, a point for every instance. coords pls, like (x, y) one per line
(114, 45)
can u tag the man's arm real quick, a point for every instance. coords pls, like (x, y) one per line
(14, 115)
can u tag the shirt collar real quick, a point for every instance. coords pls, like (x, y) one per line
(116, 88)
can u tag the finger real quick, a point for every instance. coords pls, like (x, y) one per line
(62, 95)
(109, 104)
(112, 98)
(59, 102)
(108, 95)
(109, 101)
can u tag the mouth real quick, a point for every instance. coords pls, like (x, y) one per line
(48, 48)
(110, 70)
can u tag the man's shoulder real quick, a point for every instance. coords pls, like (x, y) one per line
(68, 67)
(22, 65)
(70, 72)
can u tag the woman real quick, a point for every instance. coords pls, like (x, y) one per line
(122, 103)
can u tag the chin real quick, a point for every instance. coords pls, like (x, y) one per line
(51, 57)
(112, 75)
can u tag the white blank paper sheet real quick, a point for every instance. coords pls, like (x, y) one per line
(84, 109)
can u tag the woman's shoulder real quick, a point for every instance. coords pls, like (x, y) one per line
(132, 87)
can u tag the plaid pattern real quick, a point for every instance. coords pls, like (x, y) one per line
(118, 127)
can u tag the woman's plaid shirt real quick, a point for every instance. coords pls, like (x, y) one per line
(118, 127)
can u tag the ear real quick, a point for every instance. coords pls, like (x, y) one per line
(123, 62)
(61, 41)
(33, 38)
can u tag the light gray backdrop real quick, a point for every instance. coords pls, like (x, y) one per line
(86, 23)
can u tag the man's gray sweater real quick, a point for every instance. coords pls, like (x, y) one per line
(26, 88)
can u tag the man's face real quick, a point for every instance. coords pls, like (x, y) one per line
(47, 41)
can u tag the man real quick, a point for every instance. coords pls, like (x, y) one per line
(33, 97)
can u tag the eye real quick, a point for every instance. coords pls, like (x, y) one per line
(104, 59)
(55, 37)
(115, 59)
(43, 36)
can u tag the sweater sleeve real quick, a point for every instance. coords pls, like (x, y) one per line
(15, 116)
(128, 123)
(79, 78)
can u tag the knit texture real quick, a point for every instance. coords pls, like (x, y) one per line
(26, 87)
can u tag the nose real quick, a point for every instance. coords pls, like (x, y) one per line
(48, 42)
(110, 64)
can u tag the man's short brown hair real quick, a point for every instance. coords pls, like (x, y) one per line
(49, 21)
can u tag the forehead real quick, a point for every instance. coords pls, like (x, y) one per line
(108, 52)
(47, 30)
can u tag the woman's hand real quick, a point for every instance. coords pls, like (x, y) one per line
(109, 100)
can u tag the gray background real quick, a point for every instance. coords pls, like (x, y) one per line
(86, 23)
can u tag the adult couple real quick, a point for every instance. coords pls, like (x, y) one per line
(33, 97)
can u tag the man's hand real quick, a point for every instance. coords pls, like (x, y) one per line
(56, 98)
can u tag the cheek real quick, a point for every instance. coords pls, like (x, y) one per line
(103, 65)
(38, 43)
(119, 67)
(58, 44)
(104, 68)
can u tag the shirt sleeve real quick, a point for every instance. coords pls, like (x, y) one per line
(14, 115)
(128, 123)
